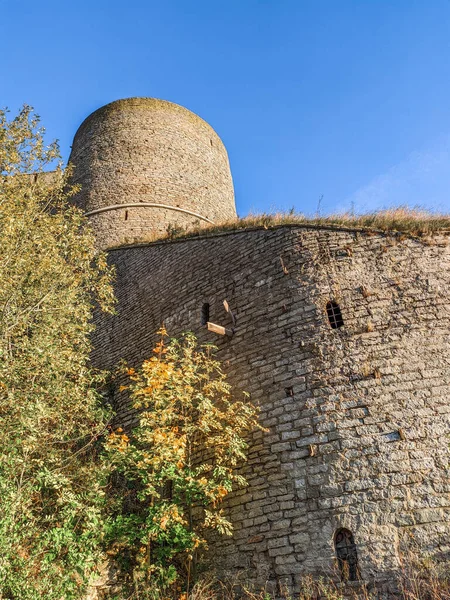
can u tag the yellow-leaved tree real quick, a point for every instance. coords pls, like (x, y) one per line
(181, 460)
(50, 414)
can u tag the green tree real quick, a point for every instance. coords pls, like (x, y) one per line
(182, 459)
(50, 414)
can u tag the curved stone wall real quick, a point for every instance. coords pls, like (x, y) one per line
(144, 150)
(358, 416)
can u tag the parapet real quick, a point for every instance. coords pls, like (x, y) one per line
(147, 165)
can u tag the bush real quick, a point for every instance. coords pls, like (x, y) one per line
(181, 460)
(50, 414)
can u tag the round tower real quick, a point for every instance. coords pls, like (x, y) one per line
(146, 166)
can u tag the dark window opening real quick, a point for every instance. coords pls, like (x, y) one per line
(205, 314)
(210, 141)
(126, 215)
(346, 555)
(334, 315)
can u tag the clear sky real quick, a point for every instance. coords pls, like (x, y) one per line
(344, 100)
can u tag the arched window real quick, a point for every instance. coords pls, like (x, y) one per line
(346, 554)
(334, 315)
(205, 314)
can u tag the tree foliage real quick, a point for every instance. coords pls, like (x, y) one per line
(56, 517)
(50, 415)
(182, 459)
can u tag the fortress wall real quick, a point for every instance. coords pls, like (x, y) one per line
(147, 224)
(148, 150)
(358, 416)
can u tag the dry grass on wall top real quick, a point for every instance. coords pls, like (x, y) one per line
(400, 220)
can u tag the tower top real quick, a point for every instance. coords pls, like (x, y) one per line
(145, 165)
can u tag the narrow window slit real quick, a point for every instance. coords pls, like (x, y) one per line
(126, 215)
(334, 315)
(346, 554)
(205, 314)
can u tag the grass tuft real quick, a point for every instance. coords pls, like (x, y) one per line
(401, 221)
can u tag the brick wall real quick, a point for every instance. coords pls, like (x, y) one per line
(358, 416)
(148, 150)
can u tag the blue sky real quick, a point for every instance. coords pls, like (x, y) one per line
(346, 100)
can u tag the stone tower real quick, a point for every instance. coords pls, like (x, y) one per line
(145, 165)
(340, 335)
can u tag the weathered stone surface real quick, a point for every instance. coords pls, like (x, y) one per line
(148, 150)
(358, 416)
(346, 448)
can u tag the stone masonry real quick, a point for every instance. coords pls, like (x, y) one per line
(144, 150)
(358, 416)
